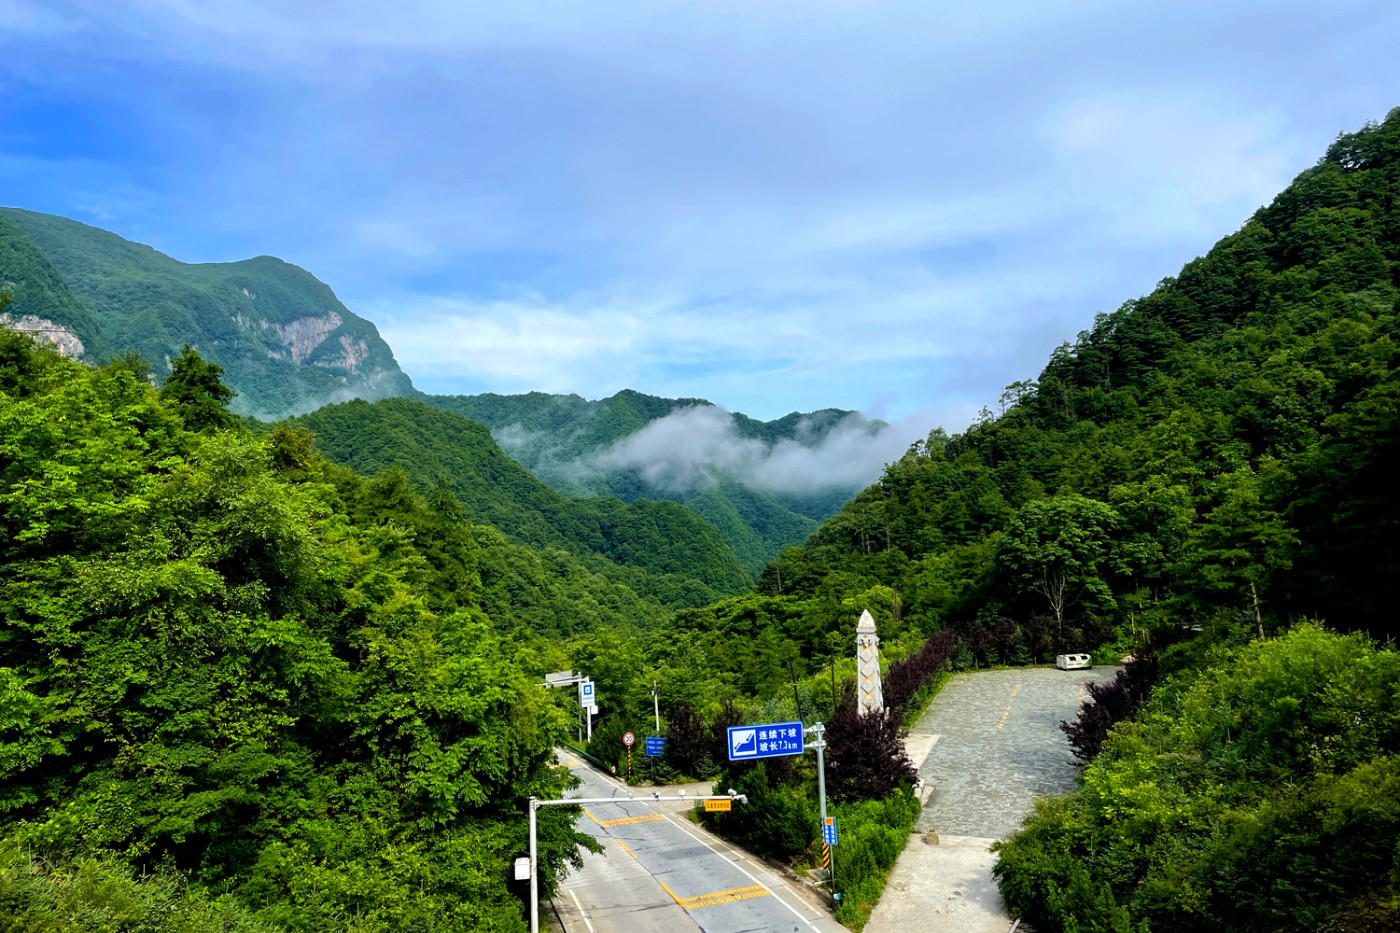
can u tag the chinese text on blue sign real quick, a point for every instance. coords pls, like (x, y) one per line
(767, 740)
(656, 747)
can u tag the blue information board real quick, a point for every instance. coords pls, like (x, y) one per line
(766, 740)
(829, 831)
(656, 747)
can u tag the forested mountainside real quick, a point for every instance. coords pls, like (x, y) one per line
(579, 447)
(1222, 448)
(286, 343)
(657, 548)
(238, 681)
(40, 301)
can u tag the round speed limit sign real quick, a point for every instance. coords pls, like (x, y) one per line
(628, 739)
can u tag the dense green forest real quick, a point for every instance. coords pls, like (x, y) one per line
(227, 664)
(658, 548)
(285, 341)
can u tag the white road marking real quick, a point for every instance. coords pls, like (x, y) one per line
(685, 829)
(582, 913)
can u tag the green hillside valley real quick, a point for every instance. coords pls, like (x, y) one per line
(272, 661)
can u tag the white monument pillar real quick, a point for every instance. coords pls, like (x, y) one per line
(869, 698)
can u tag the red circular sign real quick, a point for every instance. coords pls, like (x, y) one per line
(628, 738)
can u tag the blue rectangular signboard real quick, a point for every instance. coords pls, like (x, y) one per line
(656, 747)
(766, 740)
(829, 831)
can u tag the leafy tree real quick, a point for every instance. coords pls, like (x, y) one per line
(195, 389)
(1061, 549)
(866, 759)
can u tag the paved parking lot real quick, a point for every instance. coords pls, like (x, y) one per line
(998, 746)
(993, 744)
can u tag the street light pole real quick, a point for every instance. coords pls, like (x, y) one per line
(656, 706)
(534, 873)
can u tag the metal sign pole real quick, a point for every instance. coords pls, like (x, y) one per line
(819, 731)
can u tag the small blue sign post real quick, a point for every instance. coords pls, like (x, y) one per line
(829, 831)
(656, 746)
(765, 740)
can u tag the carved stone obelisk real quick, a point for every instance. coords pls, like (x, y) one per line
(869, 698)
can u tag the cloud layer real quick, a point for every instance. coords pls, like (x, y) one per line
(690, 448)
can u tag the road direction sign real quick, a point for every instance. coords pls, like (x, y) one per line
(656, 746)
(829, 831)
(586, 695)
(765, 740)
(628, 739)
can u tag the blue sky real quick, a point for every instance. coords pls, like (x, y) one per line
(892, 207)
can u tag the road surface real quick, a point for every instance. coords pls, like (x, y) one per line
(661, 873)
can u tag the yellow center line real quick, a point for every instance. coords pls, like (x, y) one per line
(625, 848)
(714, 897)
(1007, 712)
(753, 890)
(631, 820)
(591, 816)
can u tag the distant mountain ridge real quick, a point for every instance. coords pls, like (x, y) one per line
(721, 464)
(286, 343)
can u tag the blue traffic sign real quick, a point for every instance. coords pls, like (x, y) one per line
(766, 740)
(656, 747)
(829, 831)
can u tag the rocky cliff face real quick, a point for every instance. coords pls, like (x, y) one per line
(64, 338)
(286, 343)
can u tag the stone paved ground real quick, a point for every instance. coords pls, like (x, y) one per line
(988, 745)
(999, 746)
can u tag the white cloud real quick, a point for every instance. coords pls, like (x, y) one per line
(690, 448)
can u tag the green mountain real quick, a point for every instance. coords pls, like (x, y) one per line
(41, 302)
(634, 446)
(286, 343)
(657, 548)
(1223, 447)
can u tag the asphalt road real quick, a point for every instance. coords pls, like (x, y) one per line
(659, 872)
